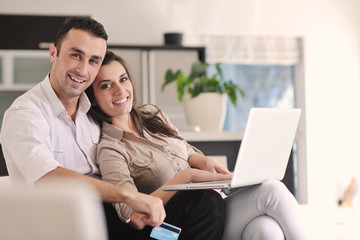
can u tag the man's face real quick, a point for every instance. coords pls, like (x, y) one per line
(75, 67)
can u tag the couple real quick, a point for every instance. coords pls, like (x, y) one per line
(139, 150)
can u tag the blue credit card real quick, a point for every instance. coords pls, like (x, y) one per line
(165, 232)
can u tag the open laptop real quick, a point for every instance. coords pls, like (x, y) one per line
(264, 153)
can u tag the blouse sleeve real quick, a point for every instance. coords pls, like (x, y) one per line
(114, 169)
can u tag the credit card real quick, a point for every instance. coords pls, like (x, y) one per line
(165, 232)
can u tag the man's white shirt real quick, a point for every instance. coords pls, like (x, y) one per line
(38, 136)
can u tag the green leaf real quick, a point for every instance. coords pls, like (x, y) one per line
(170, 77)
(219, 71)
(198, 69)
(181, 84)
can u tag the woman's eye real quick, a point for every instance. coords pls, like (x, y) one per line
(124, 79)
(104, 86)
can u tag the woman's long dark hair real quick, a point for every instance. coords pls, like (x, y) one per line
(148, 120)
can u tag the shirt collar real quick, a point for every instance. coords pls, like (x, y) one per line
(112, 131)
(84, 103)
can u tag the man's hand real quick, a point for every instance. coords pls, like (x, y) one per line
(138, 220)
(151, 209)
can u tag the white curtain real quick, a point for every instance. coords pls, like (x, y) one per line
(252, 50)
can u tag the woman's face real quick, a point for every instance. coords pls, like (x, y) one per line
(113, 90)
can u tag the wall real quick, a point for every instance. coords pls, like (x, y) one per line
(331, 33)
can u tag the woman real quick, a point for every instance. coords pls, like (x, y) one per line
(141, 149)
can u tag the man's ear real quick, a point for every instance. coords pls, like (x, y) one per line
(52, 52)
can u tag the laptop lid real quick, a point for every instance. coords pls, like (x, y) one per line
(266, 146)
(265, 149)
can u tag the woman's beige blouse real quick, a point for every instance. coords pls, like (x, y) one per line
(140, 163)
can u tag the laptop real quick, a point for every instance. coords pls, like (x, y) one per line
(264, 153)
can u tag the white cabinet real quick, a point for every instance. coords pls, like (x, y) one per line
(22, 69)
(19, 71)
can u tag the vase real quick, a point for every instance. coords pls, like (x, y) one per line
(206, 111)
(173, 38)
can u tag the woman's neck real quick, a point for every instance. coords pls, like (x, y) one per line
(126, 123)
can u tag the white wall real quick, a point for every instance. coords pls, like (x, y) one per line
(331, 33)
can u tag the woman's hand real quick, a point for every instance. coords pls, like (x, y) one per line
(212, 165)
(207, 164)
(197, 175)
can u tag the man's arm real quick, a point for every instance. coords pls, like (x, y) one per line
(151, 206)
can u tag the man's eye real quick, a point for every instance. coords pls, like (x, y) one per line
(94, 61)
(76, 55)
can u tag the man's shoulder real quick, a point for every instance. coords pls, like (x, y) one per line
(32, 104)
(30, 98)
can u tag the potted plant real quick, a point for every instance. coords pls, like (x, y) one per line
(204, 96)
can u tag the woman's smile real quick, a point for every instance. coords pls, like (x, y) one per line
(122, 100)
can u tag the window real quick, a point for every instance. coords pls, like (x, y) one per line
(264, 86)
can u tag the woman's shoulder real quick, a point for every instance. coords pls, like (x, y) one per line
(150, 108)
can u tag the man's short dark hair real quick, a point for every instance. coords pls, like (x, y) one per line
(82, 23)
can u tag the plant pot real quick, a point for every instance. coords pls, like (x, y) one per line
(206, 111)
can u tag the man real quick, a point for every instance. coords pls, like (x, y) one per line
(46, 131)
